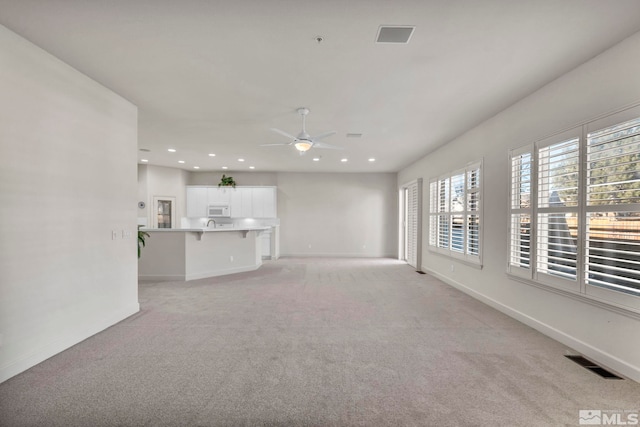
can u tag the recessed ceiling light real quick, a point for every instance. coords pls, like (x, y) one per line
(241, 160)
(344, 160)
(224, 167)
(171, 150)
(316, 159)
(196, 167)
(211, 155)
(252, 167)
(372, 159)
(144, 160)
(180, 161)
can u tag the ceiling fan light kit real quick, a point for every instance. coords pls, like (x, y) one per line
(303, 146)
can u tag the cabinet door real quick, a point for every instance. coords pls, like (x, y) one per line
(270, 206)
(197, 202)
(218, 195)
(266, 245)
(264, 202)
(235, 203)
(247, 203)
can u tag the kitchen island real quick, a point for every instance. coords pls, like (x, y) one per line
(179, 254)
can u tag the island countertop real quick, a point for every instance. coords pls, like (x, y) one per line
(206, 229)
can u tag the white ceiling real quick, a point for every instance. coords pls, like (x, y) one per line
(214, 76)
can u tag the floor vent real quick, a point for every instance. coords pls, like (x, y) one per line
(420, 272)
(587, 364)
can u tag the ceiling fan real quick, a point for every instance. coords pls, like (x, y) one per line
(304, 142)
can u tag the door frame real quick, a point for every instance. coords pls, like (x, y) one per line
(154, 211)
(403, 226)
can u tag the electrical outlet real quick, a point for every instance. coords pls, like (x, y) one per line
(114, 234)
(126, 234)
(231, 258)
(452, 268)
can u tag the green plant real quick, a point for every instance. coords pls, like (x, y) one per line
(227, 181)
(141, 242)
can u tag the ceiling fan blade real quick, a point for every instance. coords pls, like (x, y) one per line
(323, 145)
(322, 135)
(283, 133)
(273, 145)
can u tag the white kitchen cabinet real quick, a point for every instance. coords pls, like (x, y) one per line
(241, 202)
(244, 202)
(217, 195)
(264, 202)
(247, 202)
(197, 202)
(266, 244)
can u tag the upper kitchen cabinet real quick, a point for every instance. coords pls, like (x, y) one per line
(197, 202)
(244, 202)
(219, 195)
(264, 202)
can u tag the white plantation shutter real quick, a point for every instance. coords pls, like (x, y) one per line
(433, 213)
(520, 210)
(582, 234)
(557, 203)
(455, 214)
(412, 224)
(472, 194)
(612, 239)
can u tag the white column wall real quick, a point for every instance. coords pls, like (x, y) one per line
(606, 83)
(68, 263)
(165, 182)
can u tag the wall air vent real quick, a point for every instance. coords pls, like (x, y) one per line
(394, 34)
(354, 135)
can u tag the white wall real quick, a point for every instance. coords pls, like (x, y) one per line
(602, 85)
(346, 214)
(159, 181)
(241, 178)
(338, 214)
(67, 181)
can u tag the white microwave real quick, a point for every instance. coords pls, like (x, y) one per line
(219, 210)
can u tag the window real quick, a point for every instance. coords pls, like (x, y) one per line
(574, 210)
(455, 213)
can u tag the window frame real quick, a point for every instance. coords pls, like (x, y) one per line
(579, 287)
(437, 213)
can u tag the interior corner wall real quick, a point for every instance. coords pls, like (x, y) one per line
(338, 214)
(68, 258)
(606, 83)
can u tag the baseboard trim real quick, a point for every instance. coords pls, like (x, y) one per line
(52, 348)
(598, 355)
(333, 255)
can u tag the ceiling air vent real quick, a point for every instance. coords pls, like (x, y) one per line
(354, 135)
(394, 34)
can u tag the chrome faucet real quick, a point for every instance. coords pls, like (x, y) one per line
(214, 223)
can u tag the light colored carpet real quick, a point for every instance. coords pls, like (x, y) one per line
(312, 342)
